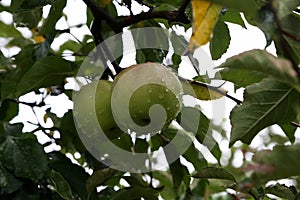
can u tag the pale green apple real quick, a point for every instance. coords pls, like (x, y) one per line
(146, 97)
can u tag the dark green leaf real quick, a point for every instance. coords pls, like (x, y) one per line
(97, 178)
(233, 16)
(281, 162)
(176, 169)
(241, 77)
(8, 31)
(8, 110)
(8, 183)
(282, 191)
(55, 14)
(220, 41)
(11, 129)
(266, 103)
(289, 130)
(214, 173)
(48, 71)
(136, 193)
(264, 62)
(194, 156)
(141, 145)
(250, 7)
(71, 173)
(24, 156)
(61, 185)
(28, 18)
(196, 122)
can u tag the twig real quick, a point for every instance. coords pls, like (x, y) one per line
(295, 124)
(215, 89)
(183, 6)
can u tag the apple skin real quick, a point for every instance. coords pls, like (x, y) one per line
(139, 89)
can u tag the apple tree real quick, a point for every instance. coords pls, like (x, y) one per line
(140, 130)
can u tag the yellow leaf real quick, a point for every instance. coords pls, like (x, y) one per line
(202, 91)
(37, 38)
(205, 16)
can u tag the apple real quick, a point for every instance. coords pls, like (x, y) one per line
(96, 97)
(146, 98)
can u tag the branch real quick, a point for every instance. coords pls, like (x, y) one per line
(172, 16)
(183, 6)
(295, 124)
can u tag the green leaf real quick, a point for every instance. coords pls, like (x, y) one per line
(263, 62)
(250, 7)
(24, 156)
(97, 178)
(282, 191)
(61, 185)
(71, 173)
(7, 129)
(194, 156)
(55, 14)
(28, 18)
(197, 122)
(266, 103)
(233, 16)
(220, 41)
(176, 169)
(241, 77)
(214, 173)
(8, 31)
(285, 7)
(48, 71)
(8, 182)
(289, 130)
(8, 110)
(135, 193)
(281, 162)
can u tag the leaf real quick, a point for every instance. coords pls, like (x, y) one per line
(266, 103)
(8, 110)
(241, 77)
(281, 162)
(55, 14)
(220, 41)
(194, 156)
(8, 31)
(48, 71)
(70, 172)
(289, 130)
(205, 15)
(202, 91)
(61, 185)
(135, 193)
(195, 121)
(28, 18)
(24, 156)
(97, 178)
(249, 7)
(282, 191)
(285, 7)
(8, 182)
(233, 16)
(176, 169)
(214, 173)
(263, 62)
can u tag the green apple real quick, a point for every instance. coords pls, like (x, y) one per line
(96, 97)
(146, 98)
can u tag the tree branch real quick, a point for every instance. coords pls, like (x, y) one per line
(295, 124)
(172, 16)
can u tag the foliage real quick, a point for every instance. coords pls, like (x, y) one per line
(271, 86)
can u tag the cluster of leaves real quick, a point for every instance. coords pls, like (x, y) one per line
(272, 93)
